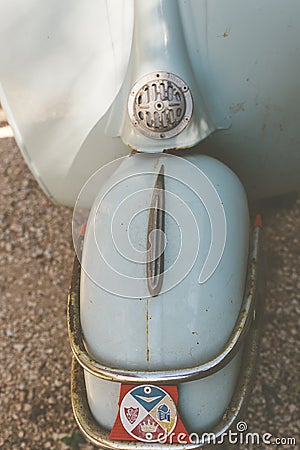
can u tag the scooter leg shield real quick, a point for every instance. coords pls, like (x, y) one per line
(162, 287)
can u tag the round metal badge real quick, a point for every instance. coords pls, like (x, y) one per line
(148, 413)
(160, 105)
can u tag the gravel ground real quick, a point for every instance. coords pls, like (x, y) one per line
(36, 255)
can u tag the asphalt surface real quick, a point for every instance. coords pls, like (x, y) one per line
(36, 253)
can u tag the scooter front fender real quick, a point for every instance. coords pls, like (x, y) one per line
(140, 333)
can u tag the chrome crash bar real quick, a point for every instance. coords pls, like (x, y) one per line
(164, 377)
(249, 319)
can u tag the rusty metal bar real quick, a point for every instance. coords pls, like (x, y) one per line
(100, 437)
(165, 377)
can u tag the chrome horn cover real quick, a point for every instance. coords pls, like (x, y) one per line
(160, 105)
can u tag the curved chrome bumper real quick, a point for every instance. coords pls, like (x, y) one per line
(246, 332)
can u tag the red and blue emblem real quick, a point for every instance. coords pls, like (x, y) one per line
(148, 414)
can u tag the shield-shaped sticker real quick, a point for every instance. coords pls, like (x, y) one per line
(131, 414)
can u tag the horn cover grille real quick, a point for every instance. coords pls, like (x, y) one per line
(160, 105)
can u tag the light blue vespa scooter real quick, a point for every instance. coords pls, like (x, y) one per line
(165, 302)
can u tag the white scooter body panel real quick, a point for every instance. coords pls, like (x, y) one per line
(61, 67)
(66, 73)
(185, 324)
